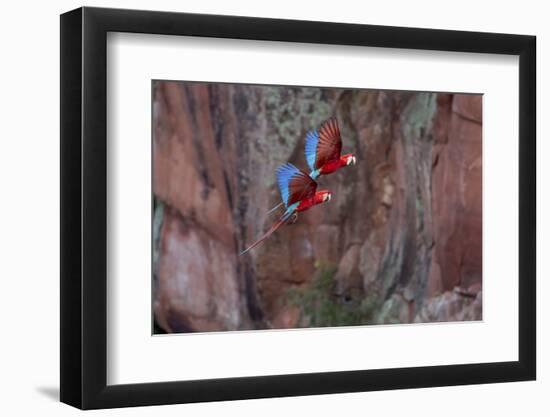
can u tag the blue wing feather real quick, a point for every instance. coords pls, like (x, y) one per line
(284, 175)
(312, 140)
(290, 210)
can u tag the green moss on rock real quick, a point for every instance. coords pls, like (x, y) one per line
(320, 307)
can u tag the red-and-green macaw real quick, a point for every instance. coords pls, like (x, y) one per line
(323, 148)
(298, 192)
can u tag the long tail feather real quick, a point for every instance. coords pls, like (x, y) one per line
(276, 207)
(275, 226)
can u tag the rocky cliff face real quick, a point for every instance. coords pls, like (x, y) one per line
(400, 241)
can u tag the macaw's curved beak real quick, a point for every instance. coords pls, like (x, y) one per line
(327, 197)
(351, 161)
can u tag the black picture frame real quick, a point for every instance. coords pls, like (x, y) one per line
(84, 207)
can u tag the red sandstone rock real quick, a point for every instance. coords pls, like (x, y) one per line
(457, 200)
(196, 292)
(287, 318)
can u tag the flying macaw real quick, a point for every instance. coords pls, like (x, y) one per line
(322, 151)
(298, 192)
(323, 148)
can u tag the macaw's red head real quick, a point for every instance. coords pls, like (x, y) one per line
(322, 196)
(348, 159)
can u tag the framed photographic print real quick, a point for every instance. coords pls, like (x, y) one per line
(257, 207)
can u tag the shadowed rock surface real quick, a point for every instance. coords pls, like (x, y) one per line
(399, 242)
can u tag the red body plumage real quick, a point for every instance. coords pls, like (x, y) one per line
(318, 198)
(333, 166)
(336, 164)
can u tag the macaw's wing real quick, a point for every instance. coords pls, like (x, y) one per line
(301, 187)
(294, 185)
(312, 140)
(329, 144)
